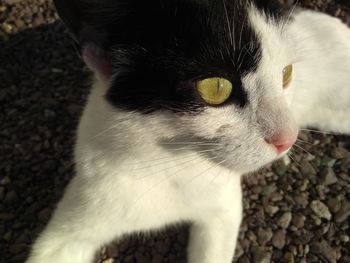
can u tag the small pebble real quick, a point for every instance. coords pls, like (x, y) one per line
(320, 209)
(279, 239)
(264, 236)
(329, 176)
(298, 220)
(260, 255)
(271, 210)
(325, 250)
(285, 220)
(344, 212)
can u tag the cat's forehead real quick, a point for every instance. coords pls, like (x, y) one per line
(136, 21)
(219, 34)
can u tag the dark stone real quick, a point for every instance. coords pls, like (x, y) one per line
(298, 220)
(329, 176)
(279, 239)
(343, 213)
(264, 236)
(325, 250)
(285, 220)
(260, 255)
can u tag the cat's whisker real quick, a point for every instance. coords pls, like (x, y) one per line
(296, 150)
(302, 149)
(171, 158)
(302, 141)
(286, 22)
(160, 161)
(290, 156)
(205, 171)
(166, 168)
(196, 150)
(305, 38)
(111, 127)
(228, 22)
(240, 59)
(242, 29)
(216, 175)
(190, 143)
(234, 36)
(162, 181)
(304, 49)
(156, 162)
(155, 185)
(193, 147)
(306, 81)
(322, 132)
(179, 143)
(179, 164)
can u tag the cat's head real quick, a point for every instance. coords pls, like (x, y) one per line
(213, 73)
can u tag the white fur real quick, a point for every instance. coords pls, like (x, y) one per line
(320, 96)
(129, 179)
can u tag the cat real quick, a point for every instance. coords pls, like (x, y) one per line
(188, 96)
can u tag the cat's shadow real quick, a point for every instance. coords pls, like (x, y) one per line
(42, 92)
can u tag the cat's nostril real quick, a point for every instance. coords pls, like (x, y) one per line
(283, 147)
(282, 143)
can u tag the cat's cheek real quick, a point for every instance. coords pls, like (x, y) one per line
(245, 157)
(215, 122)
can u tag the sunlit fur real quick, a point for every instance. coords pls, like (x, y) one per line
(138, 172)
(320, 90)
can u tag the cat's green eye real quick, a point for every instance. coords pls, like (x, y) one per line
(214, 91)
(287, 75)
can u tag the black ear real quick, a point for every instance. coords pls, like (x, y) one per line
(69, 12)
(81, 18)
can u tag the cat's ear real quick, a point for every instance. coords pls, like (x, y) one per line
(90, 36)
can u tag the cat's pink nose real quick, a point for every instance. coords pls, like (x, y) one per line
(282, 142)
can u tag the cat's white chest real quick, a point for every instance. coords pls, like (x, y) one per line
(167, 190)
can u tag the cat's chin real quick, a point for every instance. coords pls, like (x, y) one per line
(250, 167)
(255, 164)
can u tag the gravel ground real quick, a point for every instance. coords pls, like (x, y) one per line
(294, 212)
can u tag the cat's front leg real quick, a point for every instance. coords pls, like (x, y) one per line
(214, 241)
(80, 225)
(213, 238)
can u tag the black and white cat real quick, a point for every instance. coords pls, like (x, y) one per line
(188, 96)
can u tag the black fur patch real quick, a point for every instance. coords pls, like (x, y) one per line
(160, 48)
(272, 7)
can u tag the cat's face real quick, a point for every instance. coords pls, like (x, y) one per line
(163, 61)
